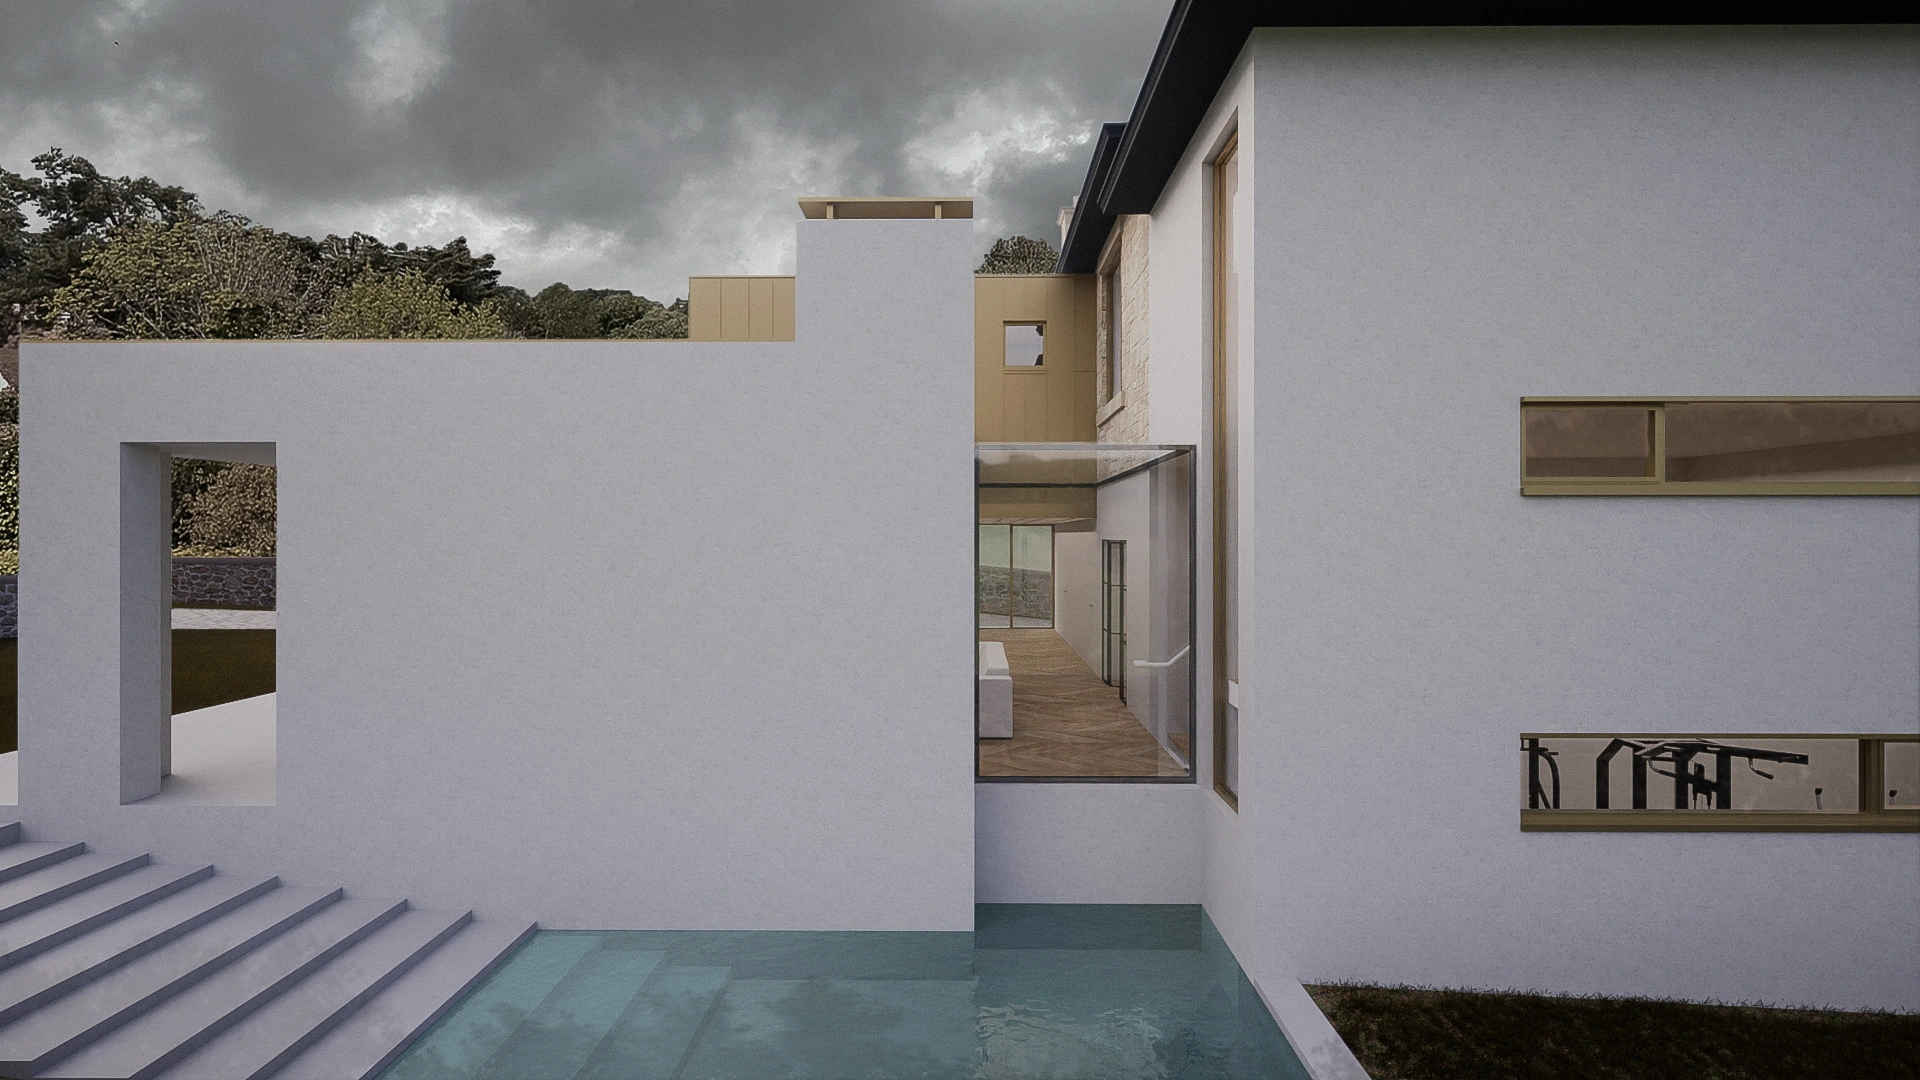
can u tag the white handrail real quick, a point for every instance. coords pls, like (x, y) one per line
(1163, 663)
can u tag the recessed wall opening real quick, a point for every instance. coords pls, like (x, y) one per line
(1084, 612)
(199, 624)
(1026, 344)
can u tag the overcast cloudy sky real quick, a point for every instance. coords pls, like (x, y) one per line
(600, 143)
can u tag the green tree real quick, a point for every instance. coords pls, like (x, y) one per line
(1019, 255)
(191, 476)
(9, 488)
(220, 277)
(234, 514)
(80, 207)
(565, 313)
(405, 305)
(668, 321)
(517, 312)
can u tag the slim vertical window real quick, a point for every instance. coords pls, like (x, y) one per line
(1110, 282)
(1226, 476)
(1113, 614)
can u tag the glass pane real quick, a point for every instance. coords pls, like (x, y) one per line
(991, 579)
(1030, 587)
(1112, 283)
(1691, 773)
(1026, 344)
(1226, 449)
(1589, 442)
(1058, 464)
(1903, 775)
(1786, 441)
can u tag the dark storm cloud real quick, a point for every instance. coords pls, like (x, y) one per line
(599, 142)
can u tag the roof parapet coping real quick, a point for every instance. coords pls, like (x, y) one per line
(886, 206)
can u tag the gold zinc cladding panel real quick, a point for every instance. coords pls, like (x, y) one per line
(1052, 401)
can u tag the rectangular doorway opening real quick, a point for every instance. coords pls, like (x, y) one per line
(199, 605)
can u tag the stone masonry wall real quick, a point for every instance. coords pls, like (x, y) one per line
(1032, 592)
(1129, 422)
(233, 583)
(228, 583)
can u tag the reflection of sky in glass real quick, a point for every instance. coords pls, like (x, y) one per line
(1833, 767)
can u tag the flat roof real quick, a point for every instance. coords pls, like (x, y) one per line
(839, 207)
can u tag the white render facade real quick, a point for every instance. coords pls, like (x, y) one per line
(713, 720)
(1435, 223)
(565, 630)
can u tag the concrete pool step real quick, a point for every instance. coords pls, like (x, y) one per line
(160, 1036)
(58, 1028)
(22, 857)
(372, 1036)
(284, 1027)
(100, 900)
(54, 883)
(61, 970)
(117, 968)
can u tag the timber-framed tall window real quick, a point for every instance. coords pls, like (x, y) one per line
(1720, 446)
(1226, 477)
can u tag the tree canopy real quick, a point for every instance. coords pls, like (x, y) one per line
(1019, 255)
(129, 257)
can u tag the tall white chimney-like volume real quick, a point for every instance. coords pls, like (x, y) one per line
(1066, 220)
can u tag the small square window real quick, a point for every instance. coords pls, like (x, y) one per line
(1026, 344)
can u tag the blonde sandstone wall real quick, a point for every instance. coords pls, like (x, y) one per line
(1129, 422)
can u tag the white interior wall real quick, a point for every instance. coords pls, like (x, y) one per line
(1126, 514)
(1449, 220)
(566, 629)
(1076, 592)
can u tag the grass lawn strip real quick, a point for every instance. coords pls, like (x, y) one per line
(210, 667)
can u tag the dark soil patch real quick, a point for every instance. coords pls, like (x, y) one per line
(1401, 1033)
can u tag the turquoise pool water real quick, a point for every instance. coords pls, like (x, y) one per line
(1037, 992)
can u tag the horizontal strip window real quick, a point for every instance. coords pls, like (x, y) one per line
(1720, 783)
(1720, 446)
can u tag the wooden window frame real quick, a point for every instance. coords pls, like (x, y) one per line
(1658, 484)
(1216, 270)
(1871, 816)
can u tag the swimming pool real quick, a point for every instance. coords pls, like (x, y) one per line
(1037, 992)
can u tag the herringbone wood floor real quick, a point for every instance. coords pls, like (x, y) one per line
(1066, 722)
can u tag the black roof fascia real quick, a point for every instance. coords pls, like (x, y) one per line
(1087, 233)
(1203, 38)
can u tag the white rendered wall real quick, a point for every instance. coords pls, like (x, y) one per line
(1180, 265)
(567, 631)
(1076, 592)
(1043, 843)
(1449, 220)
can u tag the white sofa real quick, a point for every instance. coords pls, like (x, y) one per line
(996, 692)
